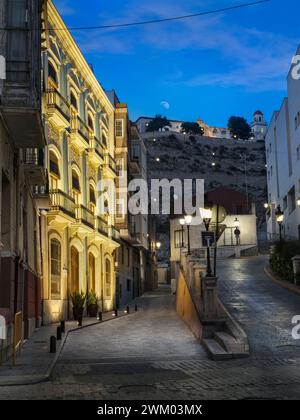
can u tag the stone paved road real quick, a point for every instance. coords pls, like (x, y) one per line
(128, 361)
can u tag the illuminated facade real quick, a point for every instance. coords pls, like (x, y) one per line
(78, 234)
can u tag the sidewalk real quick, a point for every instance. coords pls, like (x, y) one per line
(35, 363)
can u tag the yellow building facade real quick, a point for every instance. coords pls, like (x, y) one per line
(77, 227)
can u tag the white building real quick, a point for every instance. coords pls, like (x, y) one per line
(283, 163)
(258, 127)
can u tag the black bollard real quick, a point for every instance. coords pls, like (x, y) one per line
(135, 308)
(116, 312)
(128, 309)
(62, 327)
(52, 344)
(100, 316)
(58, 334)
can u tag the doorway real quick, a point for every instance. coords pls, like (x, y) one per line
(74, 270)
(92, 265)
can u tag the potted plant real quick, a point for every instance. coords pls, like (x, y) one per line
(92, 304)
(78, 301)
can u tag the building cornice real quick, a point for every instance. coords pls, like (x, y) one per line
(72, 50)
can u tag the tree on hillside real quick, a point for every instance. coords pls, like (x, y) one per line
(239, 128)
(158, 123)
(192, 128)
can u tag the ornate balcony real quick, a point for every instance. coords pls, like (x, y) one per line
(114, 233)
(109, 167)
(62, 202)
(33, 163)
(101, 226)
(85, 216)
(96, 151)
(58, 109)
(79, 133)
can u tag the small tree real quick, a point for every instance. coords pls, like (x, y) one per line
(158, 123)
(192, 128)
(239, 128)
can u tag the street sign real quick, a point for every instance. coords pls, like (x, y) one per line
(208, 239)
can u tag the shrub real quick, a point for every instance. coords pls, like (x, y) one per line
(281, 258)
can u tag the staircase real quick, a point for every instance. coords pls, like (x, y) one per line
(223, 346)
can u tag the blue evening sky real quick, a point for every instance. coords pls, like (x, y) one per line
(210, 67)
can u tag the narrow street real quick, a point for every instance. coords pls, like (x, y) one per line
(151, 354)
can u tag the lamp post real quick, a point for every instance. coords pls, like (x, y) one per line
(279, 218)
(182, 223)
(188, 221)
(206, 215)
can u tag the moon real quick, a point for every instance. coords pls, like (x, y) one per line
(165, 104)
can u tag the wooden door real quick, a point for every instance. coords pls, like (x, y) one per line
(74, 270)
(92, 272)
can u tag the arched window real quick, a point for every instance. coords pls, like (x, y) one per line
(52, 73)
(55, 267)
(90, 123)
(107, 278)
(54, 171)
(73, 101)
(75, 186)
(92, 199)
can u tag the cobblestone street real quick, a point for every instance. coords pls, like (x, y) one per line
(151, 354)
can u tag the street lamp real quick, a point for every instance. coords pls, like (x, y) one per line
(279, 218)
(266, 206)
(206, 215)
(182, 223)
(158, 245)
(188, 221)
(298, 202)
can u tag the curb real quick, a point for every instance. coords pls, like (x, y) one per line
(235, 327)
(286, 285)
(36, 379)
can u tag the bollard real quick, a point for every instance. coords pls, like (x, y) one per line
(116, 312)
(52, 344)
(135, 308)
(128, 309)
(62, 327)
(100, 316)
(58, 334)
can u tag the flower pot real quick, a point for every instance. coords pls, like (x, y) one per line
(93, 310)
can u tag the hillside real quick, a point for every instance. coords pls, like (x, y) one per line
(217, 161)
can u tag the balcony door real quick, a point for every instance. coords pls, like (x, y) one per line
(74, 270)
(92, 272)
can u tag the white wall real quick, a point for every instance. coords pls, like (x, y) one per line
(282, 141)
(247, 228)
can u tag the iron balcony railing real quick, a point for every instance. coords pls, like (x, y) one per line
(110, 161)
(79, 126)
(62, 201)
(85, 216)
(57, 101)
(114, 233)
(101, 225)
(97, 146)
(33, 157)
